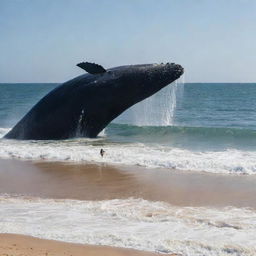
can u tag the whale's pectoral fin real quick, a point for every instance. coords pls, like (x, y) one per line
(91, 68)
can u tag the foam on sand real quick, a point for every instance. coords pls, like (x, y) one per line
(228, 161)
(133, 223)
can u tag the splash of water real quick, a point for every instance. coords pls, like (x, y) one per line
(79, 123)
(159, 109)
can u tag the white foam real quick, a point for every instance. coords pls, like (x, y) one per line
(79, 150)
(3, 131)
(231, 161)
(134, 223)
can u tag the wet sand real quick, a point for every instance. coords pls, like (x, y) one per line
(18, 245)
(100, 182)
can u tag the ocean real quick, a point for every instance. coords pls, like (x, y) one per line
(208, 128)
(205, 127)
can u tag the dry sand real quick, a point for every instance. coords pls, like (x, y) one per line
(18, 245)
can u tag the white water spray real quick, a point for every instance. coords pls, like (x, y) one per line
(79, 123)
(157, 110)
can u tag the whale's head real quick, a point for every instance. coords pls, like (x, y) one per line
(137, 82)
(119, 88)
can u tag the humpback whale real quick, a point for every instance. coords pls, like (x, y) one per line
(85, 105)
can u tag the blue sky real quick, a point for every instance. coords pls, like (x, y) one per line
(43, 40)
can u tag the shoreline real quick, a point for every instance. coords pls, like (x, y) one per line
(195, 202)
(16, 245)
(59, 180)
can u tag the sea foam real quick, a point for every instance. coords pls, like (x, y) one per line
(230, 161)
(133, 223)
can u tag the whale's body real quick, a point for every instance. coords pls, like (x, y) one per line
(84, 105)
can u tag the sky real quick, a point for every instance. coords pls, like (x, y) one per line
(43, 40)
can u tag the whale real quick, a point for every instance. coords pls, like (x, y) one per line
(85, 105)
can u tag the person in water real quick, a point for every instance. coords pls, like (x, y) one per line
(102, 152)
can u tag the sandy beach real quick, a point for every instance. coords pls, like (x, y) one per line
(89, 181)
(17, 245)
(59, 182)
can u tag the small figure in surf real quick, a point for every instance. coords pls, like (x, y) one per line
(102, 152)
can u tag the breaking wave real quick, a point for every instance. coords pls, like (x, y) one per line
(134, 223)
(154, 155)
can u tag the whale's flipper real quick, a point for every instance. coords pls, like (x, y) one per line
(91, 68)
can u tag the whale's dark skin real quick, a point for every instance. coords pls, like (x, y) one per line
(85, 105)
